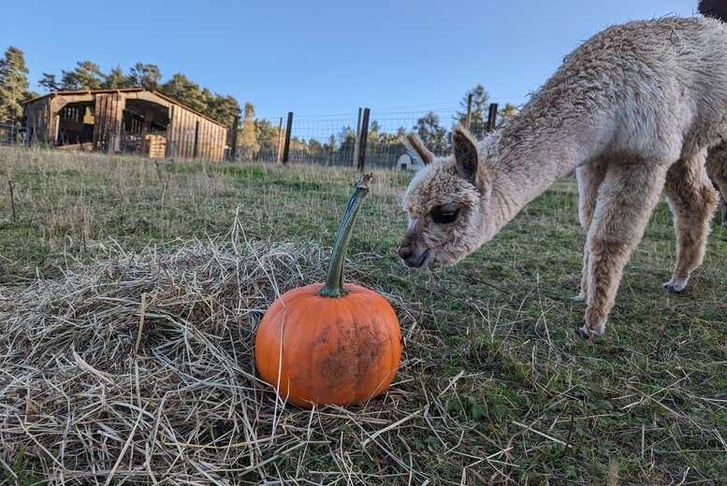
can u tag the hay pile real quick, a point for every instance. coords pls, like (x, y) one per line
(140, 368)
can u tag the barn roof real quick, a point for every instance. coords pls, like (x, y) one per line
(138, 89)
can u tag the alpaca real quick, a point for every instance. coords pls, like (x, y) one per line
(717, 157)
(717, 171)
(634, 110)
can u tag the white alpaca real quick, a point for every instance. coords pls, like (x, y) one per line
(634, 111)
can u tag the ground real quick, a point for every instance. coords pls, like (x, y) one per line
(495, 385)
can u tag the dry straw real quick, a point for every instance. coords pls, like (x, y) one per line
(140, 369)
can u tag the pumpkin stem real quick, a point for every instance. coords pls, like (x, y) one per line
(334, 281)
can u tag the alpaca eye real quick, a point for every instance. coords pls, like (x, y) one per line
(442, 216)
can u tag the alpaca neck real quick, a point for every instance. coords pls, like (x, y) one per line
(529, 158)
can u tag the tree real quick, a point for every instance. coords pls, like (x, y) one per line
(347, 146)
(182, 89)
(224, 109)
(147, 76)
(508, 111)
(13, 85)
(49, 82)
(267, 136)
(115, 79)
(478, 112)
(86, 75)
(332, 144)
(432, 134)
(248, 142)
(330, 148)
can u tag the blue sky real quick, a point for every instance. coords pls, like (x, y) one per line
(322, 58)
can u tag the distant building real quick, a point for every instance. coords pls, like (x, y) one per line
(409, 161)
(127, 120)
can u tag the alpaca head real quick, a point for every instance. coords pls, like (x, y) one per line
(446, 202)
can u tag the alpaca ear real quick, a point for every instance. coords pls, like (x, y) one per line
(418, 146)
(465, 154)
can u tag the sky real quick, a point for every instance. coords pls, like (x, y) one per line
(325, 58)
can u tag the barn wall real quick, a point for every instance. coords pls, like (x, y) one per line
(108, 114)
(187, 129)
(37, 120)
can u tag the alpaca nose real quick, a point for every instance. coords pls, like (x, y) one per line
(405, 252)
(406, 247)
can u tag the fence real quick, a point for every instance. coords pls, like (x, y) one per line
(11, 134)
(362, 139)
(366, 138)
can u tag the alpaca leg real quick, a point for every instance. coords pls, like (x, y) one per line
(627, 197)
(717, 171)
(590, 177)
(692, 200)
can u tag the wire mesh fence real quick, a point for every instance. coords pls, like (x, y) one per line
(11, 134)
(363, 138)
(336, 140)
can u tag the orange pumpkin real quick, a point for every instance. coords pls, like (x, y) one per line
(330, 343)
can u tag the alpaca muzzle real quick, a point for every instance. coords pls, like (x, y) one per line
(410, 254)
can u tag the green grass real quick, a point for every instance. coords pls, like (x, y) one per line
(503, 388)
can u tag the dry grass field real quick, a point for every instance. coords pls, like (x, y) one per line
(130, 293)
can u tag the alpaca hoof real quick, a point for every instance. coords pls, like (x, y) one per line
(676, 285)
(579, 298)
(587, 333)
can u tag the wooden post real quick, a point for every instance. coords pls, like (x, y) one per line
(195, 152)
(468, 120)
(362, 139)
(12, 199)
(357, 143)
(233, 138)
(279, 151)
(288, 128)
(492, 117)
(171, 126)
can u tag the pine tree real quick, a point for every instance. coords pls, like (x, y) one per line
(185, 91)
(432, 134)
(248, 142)
(116, 79)
(478, 112)
(86, 75)
(147, 76)
(13, 85)
(508, 111)
(267, 136)
(49, 82)
(348, 144)
(224, 109)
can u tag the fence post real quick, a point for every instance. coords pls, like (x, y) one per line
(468, 120)
(286, 148)
(492, 117)
(12, 199)
(362, 139)
(279, 148)
(356, 144)
(232, 156)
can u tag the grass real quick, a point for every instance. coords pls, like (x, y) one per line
(495, 386)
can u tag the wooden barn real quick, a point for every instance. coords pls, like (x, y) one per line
(127, 120)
